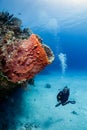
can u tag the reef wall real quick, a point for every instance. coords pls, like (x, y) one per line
(22, 53)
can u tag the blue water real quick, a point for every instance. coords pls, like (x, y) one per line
(62, 26)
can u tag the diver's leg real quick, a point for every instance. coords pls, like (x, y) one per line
(72, 102)
(65, 103)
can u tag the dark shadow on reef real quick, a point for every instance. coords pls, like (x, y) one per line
(10, 109)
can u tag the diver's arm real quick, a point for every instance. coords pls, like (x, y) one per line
(57, 104)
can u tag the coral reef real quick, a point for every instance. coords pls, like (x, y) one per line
(7, 87)
(22, 53)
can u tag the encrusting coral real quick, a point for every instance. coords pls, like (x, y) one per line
(22, 53)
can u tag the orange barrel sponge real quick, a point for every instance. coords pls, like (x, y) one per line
(23, 59)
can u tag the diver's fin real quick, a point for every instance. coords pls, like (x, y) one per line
(72, 102)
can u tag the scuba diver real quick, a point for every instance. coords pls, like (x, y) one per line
(62, 97)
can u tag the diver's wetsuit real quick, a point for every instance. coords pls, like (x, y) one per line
(62, 97)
